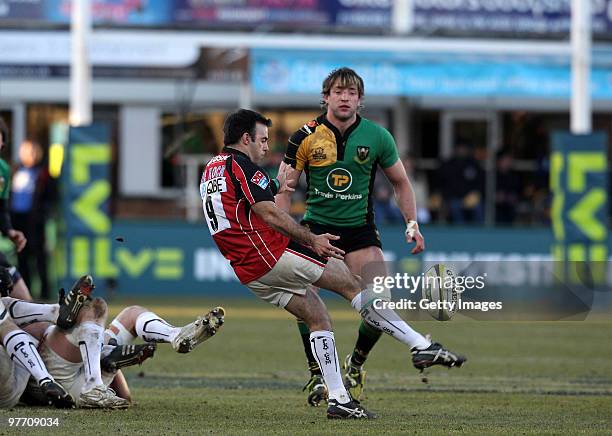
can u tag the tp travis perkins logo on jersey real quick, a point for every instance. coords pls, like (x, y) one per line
(260, 180)
(339, 180)
(363, 153)
(319, 154)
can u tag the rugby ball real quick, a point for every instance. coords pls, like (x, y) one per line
(439, 294)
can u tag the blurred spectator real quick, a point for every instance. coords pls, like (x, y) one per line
(421, 190)
(385, 208)
(32, 197)
(462, 183)
(507, 193)
(538, 196)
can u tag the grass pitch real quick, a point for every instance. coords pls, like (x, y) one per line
(521, 378)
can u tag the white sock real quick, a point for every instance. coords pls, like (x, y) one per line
(24, 312)
(387, 321)
(22, 348)
(323, 347)
(152, 328)
(123, 337)
(89, 336)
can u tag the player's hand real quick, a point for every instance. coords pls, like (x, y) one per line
(17, 238)
(283, 180)
(413, 234)
(322, 246)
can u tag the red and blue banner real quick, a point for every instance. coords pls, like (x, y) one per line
(226, 14)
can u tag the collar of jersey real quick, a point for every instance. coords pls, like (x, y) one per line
(340, 139)
(232, 150)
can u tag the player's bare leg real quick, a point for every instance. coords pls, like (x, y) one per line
(311, 309)
(367, 263)
(337, 278)
(21, 291)
(137, 321)
(120, 386)
(124, 352)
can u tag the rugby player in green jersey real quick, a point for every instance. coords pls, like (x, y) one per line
(18, 239)
(340, 152)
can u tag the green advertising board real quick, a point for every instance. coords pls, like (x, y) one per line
(86, 190)
(578, 181)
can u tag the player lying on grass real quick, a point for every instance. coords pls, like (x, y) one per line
(86, 358)
(277, 259)
(19, 358)
(19, 291)
(80, 370)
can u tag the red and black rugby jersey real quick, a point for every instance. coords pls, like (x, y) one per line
(231, 183)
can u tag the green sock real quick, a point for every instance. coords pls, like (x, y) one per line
(313, 366)
(368, 336)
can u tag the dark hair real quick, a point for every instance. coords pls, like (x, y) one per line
(240, 122)
(4, 130)
(346, 77)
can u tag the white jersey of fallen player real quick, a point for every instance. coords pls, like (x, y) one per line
(71, 375)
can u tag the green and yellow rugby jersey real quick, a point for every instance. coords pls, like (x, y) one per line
(340, 169)
(5, 178)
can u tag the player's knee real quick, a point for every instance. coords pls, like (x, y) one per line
(320, 326)
(6, 326)
(95, 310)
(320, 321)
(326, 321)
(353, 285)
(20, 290)
(131, 313)
(313, 288)
(317, 318)
(100, 308)
(358, 282)
(137, 310)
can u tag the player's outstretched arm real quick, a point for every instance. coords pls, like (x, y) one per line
(404, 195)
(291, 177)
(282, 222)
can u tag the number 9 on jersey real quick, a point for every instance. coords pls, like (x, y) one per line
(212, 202)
